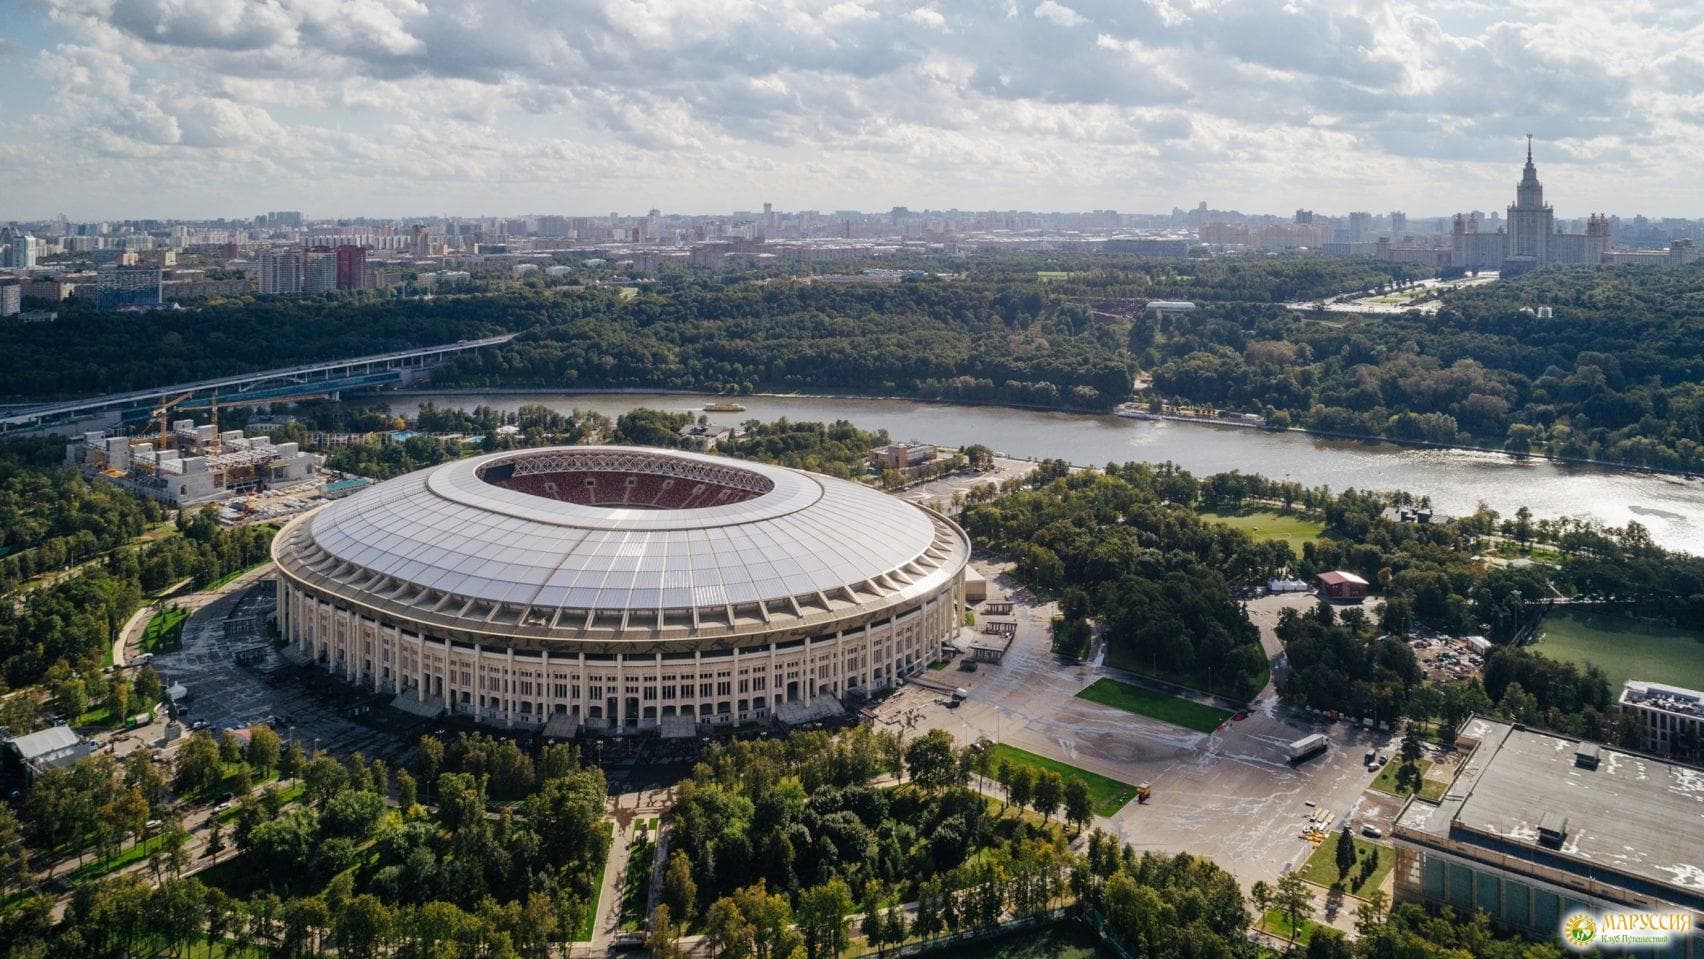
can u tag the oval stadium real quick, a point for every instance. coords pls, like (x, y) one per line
(620, 589)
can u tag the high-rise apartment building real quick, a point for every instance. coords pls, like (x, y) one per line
(11, 299)
(351, 267)
(21, 252)
(117, 285)
(280, 271)
(319, 270)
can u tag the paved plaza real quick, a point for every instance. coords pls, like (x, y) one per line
(1230, 795)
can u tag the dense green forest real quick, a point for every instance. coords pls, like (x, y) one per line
(1617, 373)
(482, 845)
(1125, 546)
(74, 619)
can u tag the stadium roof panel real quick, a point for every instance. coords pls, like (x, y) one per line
(450, 528)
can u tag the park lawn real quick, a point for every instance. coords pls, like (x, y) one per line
(99, 716)
(96, 868)
(233, 574)
(1262, 525)
(1066, 940)
(1142, 702)
(636, 886)
(1321, 867)
(1109, 795)
(1274, 922)
(1120, 658)
(1430, 790)
(165, 631)
(1624, 648)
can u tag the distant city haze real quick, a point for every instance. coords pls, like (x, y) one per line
(194, 109)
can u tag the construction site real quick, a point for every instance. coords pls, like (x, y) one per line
(183, 464)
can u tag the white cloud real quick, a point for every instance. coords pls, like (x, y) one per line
(1059, 14)
(698, 104)
(927, 17)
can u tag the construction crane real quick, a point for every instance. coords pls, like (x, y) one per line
(160, 412)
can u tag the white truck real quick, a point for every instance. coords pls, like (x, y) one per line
(1306, 747)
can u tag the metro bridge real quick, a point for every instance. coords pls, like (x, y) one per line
(282, 385)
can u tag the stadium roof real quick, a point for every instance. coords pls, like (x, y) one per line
(445, 534)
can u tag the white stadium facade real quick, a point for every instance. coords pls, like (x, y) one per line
(620, 589)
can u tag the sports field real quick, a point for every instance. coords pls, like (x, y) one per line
(1109, 794)
(1142, 702)
(1624, 648)
(1265, 525)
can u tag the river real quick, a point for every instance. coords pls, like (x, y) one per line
(1672, 508)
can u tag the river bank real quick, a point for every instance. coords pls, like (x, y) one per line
(1457, 481)
(1067, 410)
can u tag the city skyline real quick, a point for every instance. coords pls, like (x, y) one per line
(133, 109)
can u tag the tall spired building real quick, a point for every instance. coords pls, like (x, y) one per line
(1531, 239)
(1531, 221)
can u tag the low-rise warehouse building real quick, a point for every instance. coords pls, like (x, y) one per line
(32, 754)
(1538, 828)
(1339, 584)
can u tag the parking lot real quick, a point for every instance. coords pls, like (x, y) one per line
(1230, 795)
(300, 703)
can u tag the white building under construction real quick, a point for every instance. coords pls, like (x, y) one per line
(190, 464)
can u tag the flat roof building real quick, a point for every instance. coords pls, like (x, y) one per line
(32, 754)
(1537, 827)
(1672, 717)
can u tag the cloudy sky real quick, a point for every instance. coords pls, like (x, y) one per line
(118, 108)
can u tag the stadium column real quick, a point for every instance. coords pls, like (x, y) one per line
(420, 689)
(509, 689)
(869, 658)
(809, 672)
(840, 663)
(547, 690)
(620, 693)
(448, 684)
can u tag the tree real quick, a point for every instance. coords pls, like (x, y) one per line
(198, 768)
(680, 892)
(1022, 785)
(932, 760)
(407, 791)
(263, 749)
(294, 760)
(429, 759)
(363, 926)
(822, 918)
(771, 919)
(1328, 943)
(1049, 793)
(14, 858)
(323, 778)
(727, 932)
(663, 936)
(1079, 804)
(1345, 855)
(873, 925)
(1294, 902)
(1261, 895)
(1369, 915)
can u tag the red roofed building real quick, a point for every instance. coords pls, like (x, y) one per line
(1338, 584)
